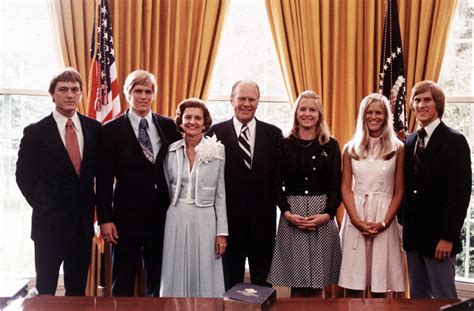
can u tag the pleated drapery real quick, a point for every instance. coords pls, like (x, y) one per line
(334, 48)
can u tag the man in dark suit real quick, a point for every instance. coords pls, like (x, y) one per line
(437, 192)
(55, 172)
(251, 148)
(131, 189)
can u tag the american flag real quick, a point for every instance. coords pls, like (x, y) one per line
(392, 78)
(104, 99)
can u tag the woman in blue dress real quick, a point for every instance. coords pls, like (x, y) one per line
(196, 221)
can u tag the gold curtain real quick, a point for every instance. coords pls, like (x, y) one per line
(331, 47)
(176, 40)
(72, 22)
(334, 47)
(424, 26)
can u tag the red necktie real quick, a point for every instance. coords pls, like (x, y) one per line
(72, 146)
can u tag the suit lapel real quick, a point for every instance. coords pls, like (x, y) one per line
(258, 152)
(129, 136)
(86, 148)
(163, 138)
(410, 145)
(233, 148)
(436, 141)
(232, 137)
(56, 142)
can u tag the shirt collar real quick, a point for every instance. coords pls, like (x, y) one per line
(62, 119)
(135, 118)
(430, 128)
(238, 125)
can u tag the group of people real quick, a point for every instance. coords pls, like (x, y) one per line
(192, 201)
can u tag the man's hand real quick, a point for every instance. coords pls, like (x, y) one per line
(109, 231)
(443, 250)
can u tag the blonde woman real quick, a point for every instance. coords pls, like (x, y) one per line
(372, 190)
(307, 253)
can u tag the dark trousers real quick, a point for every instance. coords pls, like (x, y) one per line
(430, 277)
(253, 238)
(127, 255)
(76, 256)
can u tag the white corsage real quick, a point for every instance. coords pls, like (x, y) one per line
(208, 149)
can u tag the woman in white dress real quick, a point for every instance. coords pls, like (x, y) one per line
(196, 221)
(372, 190)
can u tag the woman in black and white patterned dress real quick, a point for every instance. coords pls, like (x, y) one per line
(307, 255)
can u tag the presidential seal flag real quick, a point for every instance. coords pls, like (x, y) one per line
(104, 99)
(392, 77)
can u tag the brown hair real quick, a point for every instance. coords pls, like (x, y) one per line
(68, 74)
(193, 103)
(436, 92)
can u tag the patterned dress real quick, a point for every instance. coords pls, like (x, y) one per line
(310, 180)
(372, 261)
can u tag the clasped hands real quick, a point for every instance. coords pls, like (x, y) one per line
(306, 223)
(368, 228)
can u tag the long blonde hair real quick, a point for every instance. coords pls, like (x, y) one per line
(358, 146)
(323, 134)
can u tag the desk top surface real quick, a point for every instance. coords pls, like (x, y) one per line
(41, 303)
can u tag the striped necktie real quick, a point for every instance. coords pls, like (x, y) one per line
(145, 141)
(419, 150)
(244, 144)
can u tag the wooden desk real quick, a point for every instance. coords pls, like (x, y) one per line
(47, 303)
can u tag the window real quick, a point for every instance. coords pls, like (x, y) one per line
(28, 61)
(457, 80)
(244, 56)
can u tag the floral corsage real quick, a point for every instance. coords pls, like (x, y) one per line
(208, 149)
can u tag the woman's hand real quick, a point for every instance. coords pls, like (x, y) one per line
(306, 223)
(365, 227)
(317, 220)
(376, 227)
(221, 244)
(296, 220)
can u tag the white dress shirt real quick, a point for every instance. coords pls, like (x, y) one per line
(61, 123)
(151, 130)
(430, 128)
(252, 125)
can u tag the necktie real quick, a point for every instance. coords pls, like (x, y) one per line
(419, 150)
(145, 141)
(72, 146)
(244, 144)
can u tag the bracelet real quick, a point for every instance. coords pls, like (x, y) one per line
(384, 225)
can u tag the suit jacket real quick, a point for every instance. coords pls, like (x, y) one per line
(131, 191)
(209, 188)
(62, 202)
(250, 192)
(436, 202)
